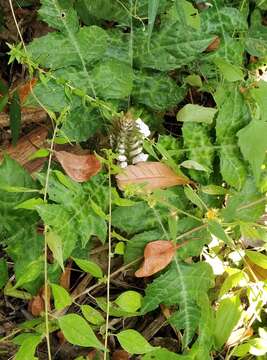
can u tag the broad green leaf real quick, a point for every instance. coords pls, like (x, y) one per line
(230, 72)
(28, 347)
(3, 273)
(217, 230)
(72, 50)
(257, 258)
(114, 310)
(78, 332)
(241, 350)
(133, 342)
(193, 80)
(62, 298)
(232, 281)
(157, 91)
(259, 95)
(54, 243)
(190, 13)
(112, 79)
(30, 204)
(224, 325)
(178, 286)
(15, 117)
(162, 354)
(129, 301)
(253, 144)
(90, 267)
(92, 315)
(59, 15)
(31, 272)
(196, 113)
(233, 169)
(256, 41)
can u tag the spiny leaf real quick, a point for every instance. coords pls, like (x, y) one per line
(154, 175)
(80, 168)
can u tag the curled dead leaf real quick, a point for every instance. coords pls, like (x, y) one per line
(36, 305)
(65, 276)
(120, 355)
(154, 175)
(157, 255)
(79, 168)
(214, 45)
(25, 89)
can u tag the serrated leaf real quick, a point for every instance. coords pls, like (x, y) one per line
(90, 267)
(92, 315)
(253, 144)
(133, 342)
(154, 175)
(62, 298)
(178, 286)
(15, 117)
(78, 332)
(129, 301)
(71, 51)
(256, 40)
(224, 325)
(159, 92)
(196, 113)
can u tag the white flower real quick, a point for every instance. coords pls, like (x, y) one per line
(140, 158)
(122, 158)
(144, 129)
(123, 164)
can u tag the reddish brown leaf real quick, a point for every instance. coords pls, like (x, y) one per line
(65, 277)
(155, 175)
(61, 337)
(214, 45)
(25, 89)
(79, 168)
(36, 305)
(120, 355)
(157, 255)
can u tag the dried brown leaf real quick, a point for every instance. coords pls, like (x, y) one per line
(157, 255)
(214, 45)
(65, 276)
(79, 168)
(25, 89)
(120, 355)
(155, 175)
(36, 306)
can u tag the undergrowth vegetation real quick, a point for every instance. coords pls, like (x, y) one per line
(193, 73)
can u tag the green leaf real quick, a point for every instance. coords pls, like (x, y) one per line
(153, 6)
(112, 79)
(256, 41)
(257, 258)
(229, 71)
(90, 267)
(178, 286)
(193, 80)
(59, 15)
(28, 347)
(253, 144)
(15, 117)
(40, 153)
(162, 354)
(217, 230)
(30, 204)
(224, 325)
(259, 95)
(54, 243)
(119, 248)
(193, 197)
(62, 299)
(133, 342)
(191, 15)
(3, 101)
(92, 315)
(72, 50)
(196, 113)
(114, 310)
(31, 272)
(78, 332)
(157, 91)
(3, 273)
(129, 301)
